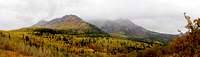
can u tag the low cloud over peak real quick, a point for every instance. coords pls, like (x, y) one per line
(157, 15)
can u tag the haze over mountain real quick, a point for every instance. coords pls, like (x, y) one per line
(22, 13)
(122, 25)
(126, 28)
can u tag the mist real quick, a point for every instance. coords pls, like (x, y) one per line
(164, 16)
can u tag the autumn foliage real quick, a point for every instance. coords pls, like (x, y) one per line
(44, 42)
(185, 45)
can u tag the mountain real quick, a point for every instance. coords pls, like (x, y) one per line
(68, 22)
(122, 28)
(126, 28)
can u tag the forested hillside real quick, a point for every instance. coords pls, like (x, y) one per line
(44, 42)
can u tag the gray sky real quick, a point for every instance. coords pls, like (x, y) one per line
(157, 15)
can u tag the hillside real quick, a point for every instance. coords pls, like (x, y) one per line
(122, 28)
(44, 43)
(69, 22)
(126, 28)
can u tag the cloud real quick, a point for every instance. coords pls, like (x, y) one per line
(157, 15)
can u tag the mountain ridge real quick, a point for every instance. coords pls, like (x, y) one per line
(130, 30)
(118, 28)
(69, 22)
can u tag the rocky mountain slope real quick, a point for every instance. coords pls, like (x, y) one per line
(126, 28)
(69, 22)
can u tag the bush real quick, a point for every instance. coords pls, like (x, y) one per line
(185, 45)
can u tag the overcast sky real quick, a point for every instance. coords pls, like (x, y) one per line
(157, 15)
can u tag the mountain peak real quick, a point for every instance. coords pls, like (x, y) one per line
(71, 17)
(70, 22)
(60, 21)
(122, 25)
(125, 27)
(64, 19)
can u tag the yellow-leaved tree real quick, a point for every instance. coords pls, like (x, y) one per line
(185, 45)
